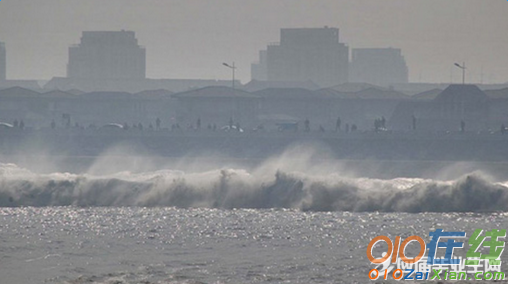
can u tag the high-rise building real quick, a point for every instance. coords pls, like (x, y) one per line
(3, 62)
(378, 66)
(305, 54)
(107, 55)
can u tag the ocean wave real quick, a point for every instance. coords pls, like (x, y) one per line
(237, 188)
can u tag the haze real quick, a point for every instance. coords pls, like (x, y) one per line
(191, 38)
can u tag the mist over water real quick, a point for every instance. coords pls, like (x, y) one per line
(300, 178)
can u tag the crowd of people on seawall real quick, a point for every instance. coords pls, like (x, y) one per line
(379, 126)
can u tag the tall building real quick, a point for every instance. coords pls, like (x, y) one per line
(3, 62)
(304, 54)
(107, 55)
(378, 66)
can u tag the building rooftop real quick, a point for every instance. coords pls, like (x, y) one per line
(18, 92)
(353, 87)
(461, 93)
(497, 94)
(427, 95)
(160, 93)
(254, 85)
(379, 93)
(286, 93)
(215, 92)
(58, 94)
(108, 95)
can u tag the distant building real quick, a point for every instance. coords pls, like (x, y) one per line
(132, 85)
(7, 84)
(39, 109)
(304, 54)
(446, 111)
(254, 85)
(259, 70)
(107, 55)
(378, 66)
(217, 105)
(3, 62)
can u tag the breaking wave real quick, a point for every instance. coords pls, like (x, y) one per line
(236, 188)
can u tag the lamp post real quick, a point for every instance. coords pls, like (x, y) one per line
(232, 67)
(463, 67)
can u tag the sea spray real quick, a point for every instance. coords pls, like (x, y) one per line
(238, 188)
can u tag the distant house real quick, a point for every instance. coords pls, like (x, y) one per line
(158, 104)
(427, 95)
(446, 111)
(20, 103)
(360, 105)
(380, 93)
(100, 107)
(353, 87)
(297, 103)
(57, 94)
(461, 102)
(497, 94)
(132, 85)
(153, 94)
(498, 107)
(254, 85)
(25, 84)
(216, 105)
(120, 107)
(75, 92)
(18, 92)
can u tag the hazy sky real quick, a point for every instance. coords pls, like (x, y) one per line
(191, 38)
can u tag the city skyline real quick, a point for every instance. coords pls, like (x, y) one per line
(191, 39)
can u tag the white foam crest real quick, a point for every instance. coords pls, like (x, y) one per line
(260, 188)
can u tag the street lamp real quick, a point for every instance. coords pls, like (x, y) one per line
(463, 67)
(232, 67)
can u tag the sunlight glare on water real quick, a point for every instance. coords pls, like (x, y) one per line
(169, 245)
